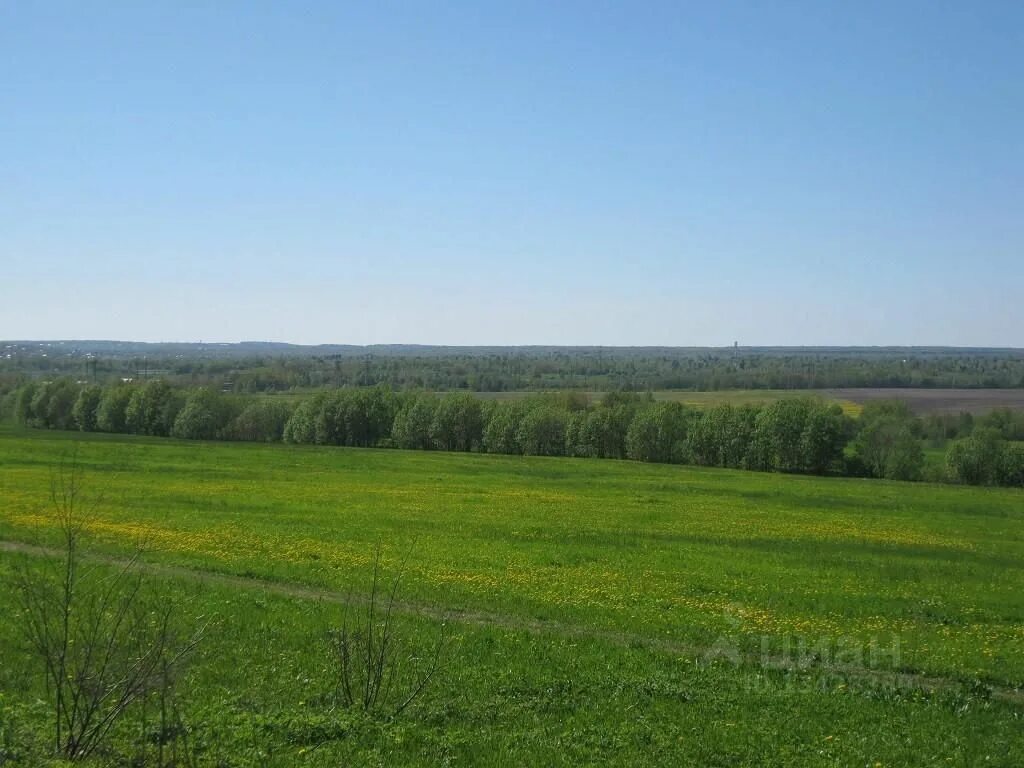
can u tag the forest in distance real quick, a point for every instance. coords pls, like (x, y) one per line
(267, 367)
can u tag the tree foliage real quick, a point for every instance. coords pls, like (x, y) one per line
(261, 421)
(110, 414)
(414, 422)
(887, 443)
(980, 459)
(458, 423)
(84, 412)
(205, 416)
(153, 408)
(802, 435)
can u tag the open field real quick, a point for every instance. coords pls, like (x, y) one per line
(600, 610)
(921, 401)
(924, 401)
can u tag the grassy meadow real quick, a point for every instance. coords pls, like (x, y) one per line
(598, 611)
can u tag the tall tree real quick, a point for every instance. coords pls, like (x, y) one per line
(458, 423)
(86, 406)
(414, 421)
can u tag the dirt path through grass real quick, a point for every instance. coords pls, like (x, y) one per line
(895, 680)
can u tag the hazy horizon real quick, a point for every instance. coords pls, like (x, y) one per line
(400, 344)
(458, 174)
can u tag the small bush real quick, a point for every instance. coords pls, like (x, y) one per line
(375, 667)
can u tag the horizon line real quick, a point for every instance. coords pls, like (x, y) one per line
(250, 342)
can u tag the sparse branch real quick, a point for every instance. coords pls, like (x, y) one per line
(368, 656)
(90, 630)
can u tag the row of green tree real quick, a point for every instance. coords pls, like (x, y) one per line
(940, 427)
(155, 408)
(798, 435)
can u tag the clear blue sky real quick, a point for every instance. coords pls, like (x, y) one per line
(513, 173)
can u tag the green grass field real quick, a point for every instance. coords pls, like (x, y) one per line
(600, 611)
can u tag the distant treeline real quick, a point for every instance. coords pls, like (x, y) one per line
(498, 370)
(798, 435)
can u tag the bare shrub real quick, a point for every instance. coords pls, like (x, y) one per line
(375, 667)
(103, 647)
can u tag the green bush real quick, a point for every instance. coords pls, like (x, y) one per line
(888, 442)
(1011, 470)
(978, 459)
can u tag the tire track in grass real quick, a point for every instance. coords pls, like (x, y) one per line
(892, 680)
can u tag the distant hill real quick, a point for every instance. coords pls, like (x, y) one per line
(130, 349)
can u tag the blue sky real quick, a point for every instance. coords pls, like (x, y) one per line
(513, 173)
